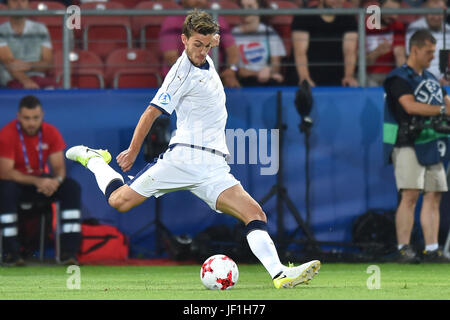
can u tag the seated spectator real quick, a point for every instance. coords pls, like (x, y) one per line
(260, 48)
(385, 47)
(435, 24)
(171, 46)
(27, 144)
(25, 52)
(325, 47)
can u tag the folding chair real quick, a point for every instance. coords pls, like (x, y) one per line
(41, 209)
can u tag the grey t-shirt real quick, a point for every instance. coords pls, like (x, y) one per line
(26, 46)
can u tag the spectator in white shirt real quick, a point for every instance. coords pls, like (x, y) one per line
(261, 49)
(435, 24)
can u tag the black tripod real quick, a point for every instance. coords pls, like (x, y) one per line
(305, 127)
(160, 230)
(155, 144)
(279, 190)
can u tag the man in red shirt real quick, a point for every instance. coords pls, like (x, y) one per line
(27, 145)
(385, 47)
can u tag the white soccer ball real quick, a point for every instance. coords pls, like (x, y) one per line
(219, 272)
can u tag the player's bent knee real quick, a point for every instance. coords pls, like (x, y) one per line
(118, 202)
(262, 216)
(257, 214)
(252, 212)
(124, 199)
(114, 203)
(123, 208)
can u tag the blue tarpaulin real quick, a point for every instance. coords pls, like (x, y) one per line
(347, 172)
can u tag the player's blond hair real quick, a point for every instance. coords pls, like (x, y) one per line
(198, 21)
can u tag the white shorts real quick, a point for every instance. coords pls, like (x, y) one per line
(203, 173)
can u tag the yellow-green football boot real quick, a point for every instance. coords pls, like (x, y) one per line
(82, 154)
(292, 276)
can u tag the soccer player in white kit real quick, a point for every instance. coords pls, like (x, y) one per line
(195, 159)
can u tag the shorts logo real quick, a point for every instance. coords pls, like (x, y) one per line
(164, 98)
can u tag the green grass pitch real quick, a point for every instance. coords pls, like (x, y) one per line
(334, 281)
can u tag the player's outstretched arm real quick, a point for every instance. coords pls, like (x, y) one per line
(127, 157)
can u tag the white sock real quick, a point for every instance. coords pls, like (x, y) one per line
(432, 247)
(104, 174)
(400, 246)
(263, 248)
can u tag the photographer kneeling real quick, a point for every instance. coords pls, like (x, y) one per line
(414, 102)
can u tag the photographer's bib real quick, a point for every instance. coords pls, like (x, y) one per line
(431, 147)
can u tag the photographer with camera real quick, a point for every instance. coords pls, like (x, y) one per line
(416, 107)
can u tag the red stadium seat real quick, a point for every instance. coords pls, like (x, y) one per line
(105, 34)
(312, 3)
(46, 5)
(129, 4)
(136, 78)
(147, 28)
(282, 23)
(349, 5)
(227, 4)
(3, 18)
(54, 24)
(86, 69)
(132, 68)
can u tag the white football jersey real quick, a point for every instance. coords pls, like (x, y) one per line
(198, 98)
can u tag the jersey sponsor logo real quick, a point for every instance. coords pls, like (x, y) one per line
(252, 52)
(164, 98)
(429, 91)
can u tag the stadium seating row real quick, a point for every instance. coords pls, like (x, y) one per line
(101, 51)
(104, 34)
(123, 51)
(124, 68)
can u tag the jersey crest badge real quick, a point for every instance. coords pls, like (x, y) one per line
(164, 98)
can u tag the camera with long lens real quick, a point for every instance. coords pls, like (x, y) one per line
(440, 123)
(304, 103)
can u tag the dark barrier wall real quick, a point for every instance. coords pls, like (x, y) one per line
(347, 173)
